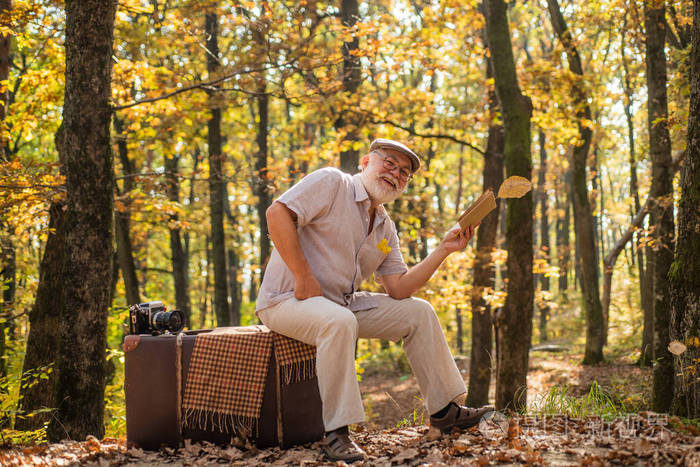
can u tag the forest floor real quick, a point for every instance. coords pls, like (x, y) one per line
(396, 432)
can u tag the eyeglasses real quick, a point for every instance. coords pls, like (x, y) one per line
(390, 164)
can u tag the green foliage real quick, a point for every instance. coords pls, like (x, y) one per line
(115, 410)
(9, 406)
(597, 401)
(248, 317)
(390, 361)
(415, 418)
(689, 426)
(22, 438)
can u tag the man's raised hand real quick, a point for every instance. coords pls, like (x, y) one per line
(457, 239)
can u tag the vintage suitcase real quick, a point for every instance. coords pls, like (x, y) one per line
(156, 369)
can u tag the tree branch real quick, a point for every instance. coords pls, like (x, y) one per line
(411, 131)
(683, 33)
(205, 85)
(671, 37)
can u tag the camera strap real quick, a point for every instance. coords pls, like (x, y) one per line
(178, 389)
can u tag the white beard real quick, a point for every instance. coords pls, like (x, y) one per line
(378, 190)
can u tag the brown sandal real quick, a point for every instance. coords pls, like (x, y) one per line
(340, 447)
(459, 416)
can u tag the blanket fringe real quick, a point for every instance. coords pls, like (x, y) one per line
(298, 371)
(199, 419)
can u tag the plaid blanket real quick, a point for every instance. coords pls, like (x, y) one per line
(226, 378)
(296, 361)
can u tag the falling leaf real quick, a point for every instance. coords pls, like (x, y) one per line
(676, 347)
(514, 187)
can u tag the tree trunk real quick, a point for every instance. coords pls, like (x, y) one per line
(125, 257)
(484, 271)
(216, 181)
(196, 156)
(647, 349)
(423, 217)
(122, 219)
(262, 182)
(234, 287)
(684, 275)
(515, 322)
(88, 221)
(661, 199)
(544, 234)
(648, 298)
(350, 157)
(179, 259)
(233, 266)
(203, 309)
(44, 322)
(583, 215)
(44, 319)
(646, 356)
(253, 282)
(601, 238)
(426, 200)
(593, 196)
(563, 240)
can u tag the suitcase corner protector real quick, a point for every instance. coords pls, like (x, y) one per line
(131, 342)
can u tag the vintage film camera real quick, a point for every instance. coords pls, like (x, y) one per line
(152, 318)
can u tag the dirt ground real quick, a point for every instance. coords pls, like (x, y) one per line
(396, 401)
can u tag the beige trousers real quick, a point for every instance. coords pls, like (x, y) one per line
(334, 329)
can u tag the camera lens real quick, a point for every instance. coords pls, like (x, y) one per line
(172, 321)
(176, 321)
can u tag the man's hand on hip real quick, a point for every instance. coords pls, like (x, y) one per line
(306, 287)
(281, 223)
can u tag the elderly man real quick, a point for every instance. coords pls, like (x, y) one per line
(331, 232)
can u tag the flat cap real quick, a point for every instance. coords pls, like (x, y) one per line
(380, 143)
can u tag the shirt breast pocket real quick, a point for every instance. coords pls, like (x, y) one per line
(369, 259)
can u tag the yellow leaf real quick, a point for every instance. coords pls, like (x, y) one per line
(384, 247)
(514, 187)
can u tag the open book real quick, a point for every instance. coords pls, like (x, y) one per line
(478, 210)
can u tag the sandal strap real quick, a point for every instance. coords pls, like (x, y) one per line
(340, 446)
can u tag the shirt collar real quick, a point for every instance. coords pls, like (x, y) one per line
(360, 192)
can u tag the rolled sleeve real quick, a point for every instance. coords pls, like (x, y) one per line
(310, 197)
